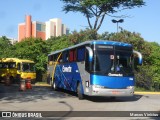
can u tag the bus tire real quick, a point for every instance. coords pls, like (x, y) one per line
(80, 95)
(54, 85)
(11, 79)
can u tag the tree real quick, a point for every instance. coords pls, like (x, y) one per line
(4, 46)
(33, 49)
(83, 35)
(98, 9)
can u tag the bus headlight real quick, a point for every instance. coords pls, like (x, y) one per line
(130, 87)
(98, 86)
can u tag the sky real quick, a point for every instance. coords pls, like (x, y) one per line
(144, 20)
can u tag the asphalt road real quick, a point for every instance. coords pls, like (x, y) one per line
(41, 98)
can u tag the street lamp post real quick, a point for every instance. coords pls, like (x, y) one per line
(117, 21)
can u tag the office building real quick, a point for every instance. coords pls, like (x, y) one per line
(43, 30)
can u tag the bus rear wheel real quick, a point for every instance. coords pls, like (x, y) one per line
(54, 85)
(80, 95)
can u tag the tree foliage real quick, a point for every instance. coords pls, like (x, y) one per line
(4, 46)
(31, 48)
(98, 9)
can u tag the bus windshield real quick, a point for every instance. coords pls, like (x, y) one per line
(28, 67)
(124, 62)
(113, 62)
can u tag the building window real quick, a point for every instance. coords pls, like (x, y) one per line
(40, 27)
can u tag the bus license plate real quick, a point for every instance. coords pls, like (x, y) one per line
(115, 92)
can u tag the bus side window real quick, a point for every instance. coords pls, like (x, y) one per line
(58, 56)
(1, 65)
(60, 59)
(54, 57)
(5, 65)
(65, 57)
(50, 59)
(81, 54)
(75, 55)
(71, 56)
(11, 65)
(19, 66)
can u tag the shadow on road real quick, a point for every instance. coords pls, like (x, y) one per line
(114, 99)
(105, 99)
(11, 94)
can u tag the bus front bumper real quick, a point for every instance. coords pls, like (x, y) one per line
(101, 91)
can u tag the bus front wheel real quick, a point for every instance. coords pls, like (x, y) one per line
(80, 95)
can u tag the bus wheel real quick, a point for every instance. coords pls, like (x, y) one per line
(80, 95)
(11, 79)
(54, 85)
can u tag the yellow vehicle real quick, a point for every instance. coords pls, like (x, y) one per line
(17, 69)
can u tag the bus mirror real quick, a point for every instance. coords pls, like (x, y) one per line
(90, 57)
(138, 58)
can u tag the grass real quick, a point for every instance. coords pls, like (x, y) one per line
(41, 83)
(138, 89)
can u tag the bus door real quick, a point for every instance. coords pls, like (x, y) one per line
(85, 75)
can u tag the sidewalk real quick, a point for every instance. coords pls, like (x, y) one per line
(145, 93)
(46, 85)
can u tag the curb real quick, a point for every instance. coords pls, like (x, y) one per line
(45, 85)
(149, 93)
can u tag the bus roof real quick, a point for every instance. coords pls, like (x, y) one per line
(15, 60)
(105, 42)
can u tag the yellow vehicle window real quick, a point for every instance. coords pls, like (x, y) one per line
(28, 67)
(8, 65)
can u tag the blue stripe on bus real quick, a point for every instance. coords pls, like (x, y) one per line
(112, 82)
(68, 80)
(112, 43)
(67, 85)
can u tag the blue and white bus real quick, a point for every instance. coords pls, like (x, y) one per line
(94, 68)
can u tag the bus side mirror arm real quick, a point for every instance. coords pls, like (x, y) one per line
(139, 57)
